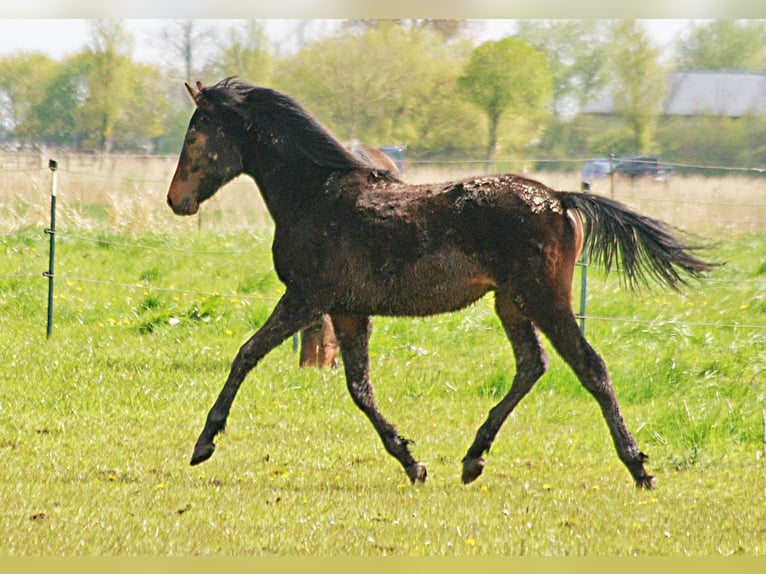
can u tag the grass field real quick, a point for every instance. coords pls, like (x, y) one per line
(97, 424)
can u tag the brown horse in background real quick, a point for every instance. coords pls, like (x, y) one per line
(319, 345)
(352, 241)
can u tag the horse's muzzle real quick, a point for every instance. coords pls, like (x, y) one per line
(187, 205)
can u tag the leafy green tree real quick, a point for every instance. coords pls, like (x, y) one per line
(508, 77)
(577, 54)
(108, 81)
(245, 54)
(383, 84)
(55, 117)
(447, 28)
(738, 142)
(100, 99)
(724, 45)
(638, 85)
(144, 119)
(23, 78)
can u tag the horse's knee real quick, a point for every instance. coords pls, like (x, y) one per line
(247, 358)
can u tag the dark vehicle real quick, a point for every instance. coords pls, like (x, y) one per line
(595, 169)
(642, 166)
(398, 153)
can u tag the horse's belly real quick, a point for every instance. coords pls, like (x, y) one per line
(433, 299)
(428, 286)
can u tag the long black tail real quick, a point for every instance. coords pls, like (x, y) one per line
(641, 248)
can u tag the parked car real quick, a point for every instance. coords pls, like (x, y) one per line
(398, 153)
(595, 169)
(632, 167)
(641, 166)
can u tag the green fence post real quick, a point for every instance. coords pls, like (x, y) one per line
(52, 165)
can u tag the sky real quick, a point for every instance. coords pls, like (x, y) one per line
(61, 37)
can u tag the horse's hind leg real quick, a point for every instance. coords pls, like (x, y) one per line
(531, 362)
(353, 335)
(319, 346)
(563, 332)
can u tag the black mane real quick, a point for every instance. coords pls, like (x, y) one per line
(266, 113)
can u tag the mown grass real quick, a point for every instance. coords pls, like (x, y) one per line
(97, 423)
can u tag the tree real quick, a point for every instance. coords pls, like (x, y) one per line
(146, 111)
(353, 82)
(638, 85)
(447, 28)
(577, 54)
(246, 54)
(108, 80)
(187, 39)
(99, 99)
(724, 45)
(23, 78)
(507, 77)
(380, 84)
(55, 119)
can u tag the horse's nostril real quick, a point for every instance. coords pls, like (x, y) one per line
(170, 201)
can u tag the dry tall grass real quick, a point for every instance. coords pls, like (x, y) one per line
(127, 194)
(115, 193)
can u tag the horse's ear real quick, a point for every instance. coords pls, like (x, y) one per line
(194, 92)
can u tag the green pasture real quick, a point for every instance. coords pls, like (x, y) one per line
(97, 424)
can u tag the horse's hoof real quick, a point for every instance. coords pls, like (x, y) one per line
(202, 452)
(417, 473)
(472, 469)
(646, 482)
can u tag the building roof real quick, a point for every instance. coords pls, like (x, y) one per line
(718, 93)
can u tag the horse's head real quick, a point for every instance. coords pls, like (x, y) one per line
(210, 156)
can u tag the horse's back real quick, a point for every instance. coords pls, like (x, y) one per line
(425, 249)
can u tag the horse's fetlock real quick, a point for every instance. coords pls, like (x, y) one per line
(417, 473)
(646, 482)
(472, 468)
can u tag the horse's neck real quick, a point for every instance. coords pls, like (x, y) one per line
(287, 189)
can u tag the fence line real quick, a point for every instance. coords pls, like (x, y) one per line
(146, 247)
(150, 247)
(537, 161)
(234, 295)
(620, 196)
(687, 202)
(107, 177)
(149, 287)
(467, 161)
(582, 315)
(756, 282)
(747, 326)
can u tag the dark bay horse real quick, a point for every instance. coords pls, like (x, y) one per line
(319, 345)
(352, 241)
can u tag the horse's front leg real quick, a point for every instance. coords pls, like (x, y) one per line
(287, 318)
(353, 334)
